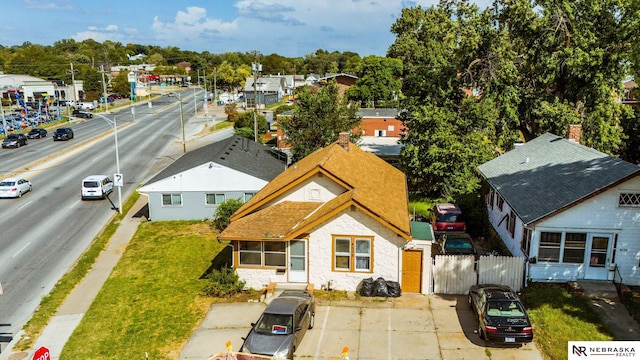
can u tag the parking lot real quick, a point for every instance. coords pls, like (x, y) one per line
(412, 326)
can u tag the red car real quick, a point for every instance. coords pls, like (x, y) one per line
(447, 217)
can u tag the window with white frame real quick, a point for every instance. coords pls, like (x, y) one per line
(353, 253)
(500, 202)
(270, 254)
(629, 200)
(248, 196)
(171, 199)
(490, 198)
(549, 249)
(215, 199)
(574, 247)
(526, 240)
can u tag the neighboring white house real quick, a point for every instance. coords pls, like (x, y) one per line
(334, 218)
(573, 211)
(194, 185)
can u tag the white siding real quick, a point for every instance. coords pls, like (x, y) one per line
(513, 243)
(386, 256)
(316, 188)
(598, 215)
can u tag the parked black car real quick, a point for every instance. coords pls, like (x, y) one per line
(37, 133)
(501, 316)
(14, 140)
(82, 114)
(63, 134)
(282, 325)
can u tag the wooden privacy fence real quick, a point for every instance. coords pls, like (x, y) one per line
(454, 274)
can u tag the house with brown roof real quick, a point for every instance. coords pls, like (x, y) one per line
(334, 218)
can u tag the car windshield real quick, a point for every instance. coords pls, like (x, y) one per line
(448, 218)
(7, 183)
(277, 324)
(12, 136)
(459, 244)
(506, 308)
(91, 184)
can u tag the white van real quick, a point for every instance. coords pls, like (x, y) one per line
(96, 187)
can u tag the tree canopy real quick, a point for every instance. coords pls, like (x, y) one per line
(484, 79)
(320, 116)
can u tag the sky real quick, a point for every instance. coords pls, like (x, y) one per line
(291, 28)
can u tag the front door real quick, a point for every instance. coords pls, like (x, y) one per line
(411, 270)
(599, 257)
(298, 261)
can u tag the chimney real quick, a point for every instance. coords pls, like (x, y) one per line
(343, 140)
(574, 133)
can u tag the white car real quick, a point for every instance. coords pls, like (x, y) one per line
(14, 187)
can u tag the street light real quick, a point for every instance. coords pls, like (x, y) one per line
(118, 175)
(184, 145)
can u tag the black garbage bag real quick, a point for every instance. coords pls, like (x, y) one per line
(393, 287)
(380, 287)
(365, 288)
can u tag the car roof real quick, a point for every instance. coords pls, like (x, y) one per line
(457, 235)
(284, 305)
(94, 177)
(10, 179)
(448, 207)
(498, 292)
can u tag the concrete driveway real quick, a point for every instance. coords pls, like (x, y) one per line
(409, 327)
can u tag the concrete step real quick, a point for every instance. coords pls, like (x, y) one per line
(599, 289)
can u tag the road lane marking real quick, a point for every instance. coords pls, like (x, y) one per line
(19, 251)
(74, 204)
(25, 204)
(324, 326)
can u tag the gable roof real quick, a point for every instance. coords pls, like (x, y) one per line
(378, 112)
(264, 84)
(236, 152)
(549, 174)
(371, 185)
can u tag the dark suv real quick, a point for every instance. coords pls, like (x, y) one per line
(63, 134)
(82, 114)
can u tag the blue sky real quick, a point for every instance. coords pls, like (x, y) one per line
(286, 27)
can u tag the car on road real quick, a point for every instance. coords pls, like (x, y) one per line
(82, 114)
(457, 244)
(63, 134)
(501, 316)
(447, 217)
(14, 187)
(282, 325)
(37, 133)
(14, 140)
(96, 187)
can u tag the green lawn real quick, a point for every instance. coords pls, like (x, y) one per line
(151, 303)
(559, 317)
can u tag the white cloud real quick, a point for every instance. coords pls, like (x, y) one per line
(109, 32)
(41, 5)
(192, 24)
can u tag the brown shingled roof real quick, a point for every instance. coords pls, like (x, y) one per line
(277, 220)
(370, 183)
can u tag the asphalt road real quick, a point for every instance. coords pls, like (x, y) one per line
(43, 233)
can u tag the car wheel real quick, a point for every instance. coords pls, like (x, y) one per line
(18, 144)
(30, 188)
(312, 320)
(469, 301)
(19, 193)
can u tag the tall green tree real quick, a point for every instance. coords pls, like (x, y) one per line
(320, 116)
(537, 66)
(379, 81)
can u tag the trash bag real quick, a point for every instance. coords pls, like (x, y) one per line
(393, 287)
(365, 288)
(380, 288)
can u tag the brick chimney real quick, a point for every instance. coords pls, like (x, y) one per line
(343, 140)
(575, 131)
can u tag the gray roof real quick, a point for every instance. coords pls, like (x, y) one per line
(379, 112)
(235, 152)
(550, 173)
(265, 84)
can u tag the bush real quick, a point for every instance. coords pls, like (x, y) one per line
(223, 213)
(222, 283)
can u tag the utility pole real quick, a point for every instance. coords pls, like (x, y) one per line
(73, 81)
(104, 89)
(215, 87)
(256, 68)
